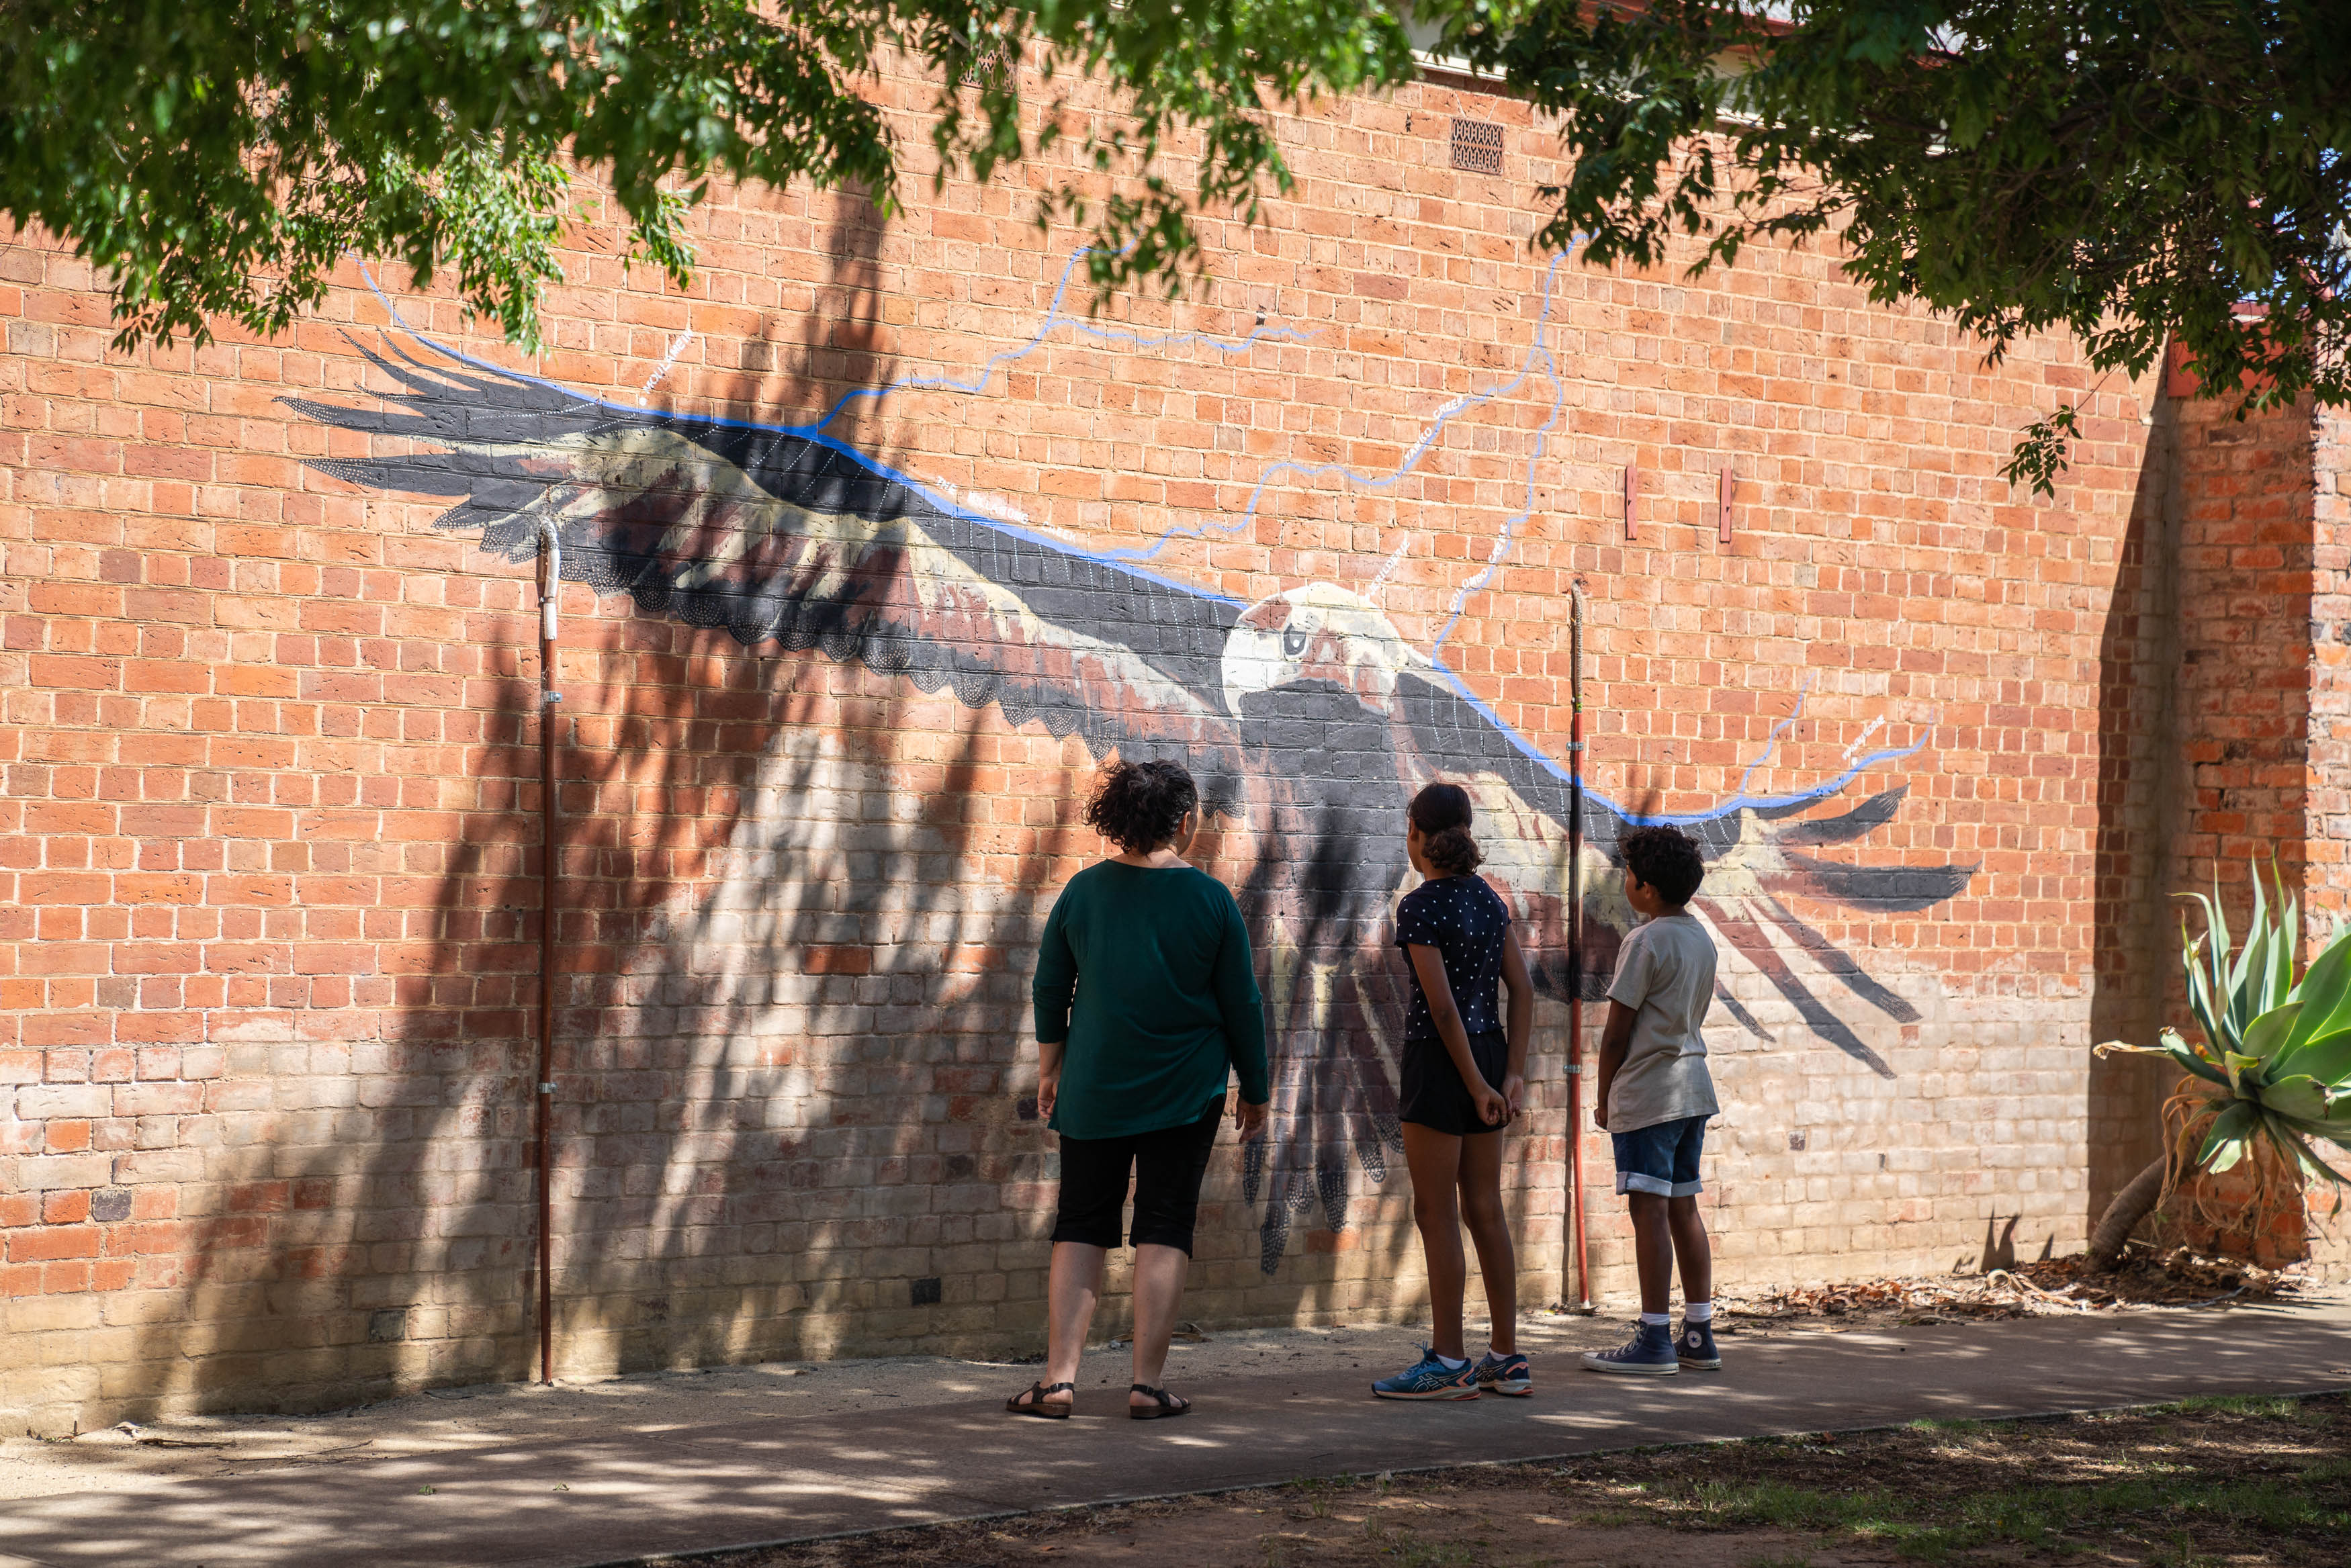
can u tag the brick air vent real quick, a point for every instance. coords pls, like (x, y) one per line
(1477, 146)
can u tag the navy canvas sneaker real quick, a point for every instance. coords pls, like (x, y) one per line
(1509, 1374)
(1650, 1351)
(1429, 1378)
(1694, 1347)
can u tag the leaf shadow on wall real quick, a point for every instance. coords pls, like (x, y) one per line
(790, 1014)
(389, 1240)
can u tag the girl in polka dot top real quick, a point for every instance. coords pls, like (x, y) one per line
(1463, 1080)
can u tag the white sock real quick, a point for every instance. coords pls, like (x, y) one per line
(1450, 1364)
(1697, 1311)
(1656, 1320)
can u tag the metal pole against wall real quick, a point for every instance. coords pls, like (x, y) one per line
(1577, 1296)
(551, 589)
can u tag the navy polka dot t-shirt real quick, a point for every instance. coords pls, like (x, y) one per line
(1465, 920)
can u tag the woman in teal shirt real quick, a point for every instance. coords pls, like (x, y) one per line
(1146, 1004)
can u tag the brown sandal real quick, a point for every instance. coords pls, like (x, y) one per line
(1168, 1407)
(1030, 1401)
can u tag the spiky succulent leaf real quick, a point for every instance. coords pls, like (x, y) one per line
(2290, 922)
(2326, 995)
(2317, 1165)
(2300, 1097)
(2209, 1017)
(2269, 1032)
(2185, 1052)
(2224, 1142)
(2250, 971)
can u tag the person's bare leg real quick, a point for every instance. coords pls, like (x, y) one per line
(1071, 1292)
(1690, 1247)
(1489, 1233)
(1652, 1250)
(1159, 1274)
(1434, 1161)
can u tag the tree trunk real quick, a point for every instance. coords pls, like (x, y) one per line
(2131, 1206)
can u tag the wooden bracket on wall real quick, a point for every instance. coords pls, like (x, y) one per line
(1632, 499)
(1722, 514)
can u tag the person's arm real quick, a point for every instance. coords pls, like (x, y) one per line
(1520, 1023)
(1243, 1013)
(1051, 993)
(1616, 1040)
(1444, 1016)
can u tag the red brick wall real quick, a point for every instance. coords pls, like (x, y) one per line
(2210, 687)
(270, 841)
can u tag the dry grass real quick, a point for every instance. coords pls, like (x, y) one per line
(2239, 1482)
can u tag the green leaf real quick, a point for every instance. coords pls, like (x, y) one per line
(2283, 986)
(2300, 1097)
(2217, 1038)
(2133, 173)
(2250, 973)
(2325, 994)
(218, 162)
(2326, 1058)
(2312, 1162)
(2270, 1031)
(2195, 1061)
(2224, 1142)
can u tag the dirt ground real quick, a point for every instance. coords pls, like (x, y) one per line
(2199, 1485)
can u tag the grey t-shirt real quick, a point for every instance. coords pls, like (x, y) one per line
(1665, 972)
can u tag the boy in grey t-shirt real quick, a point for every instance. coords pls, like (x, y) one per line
(1654, 1098)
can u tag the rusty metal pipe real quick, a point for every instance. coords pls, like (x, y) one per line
(1579, 1297)
(551, 589)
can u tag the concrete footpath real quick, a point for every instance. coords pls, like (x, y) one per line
(615, 1495)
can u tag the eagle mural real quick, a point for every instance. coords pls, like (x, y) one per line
(1305, 716)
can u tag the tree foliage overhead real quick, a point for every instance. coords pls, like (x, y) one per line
(218, 157)
(2129, 170)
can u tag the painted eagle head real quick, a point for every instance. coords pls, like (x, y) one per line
(1320, 632)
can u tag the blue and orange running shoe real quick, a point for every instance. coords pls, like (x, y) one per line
(1429, 1378)
(1509, 1374)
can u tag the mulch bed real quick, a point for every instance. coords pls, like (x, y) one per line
(2054, 1287)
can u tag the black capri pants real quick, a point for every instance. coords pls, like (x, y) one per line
(1166, 1165)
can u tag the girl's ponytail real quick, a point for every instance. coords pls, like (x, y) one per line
(1442, 813)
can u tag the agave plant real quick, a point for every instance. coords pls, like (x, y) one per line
(2274, 1067)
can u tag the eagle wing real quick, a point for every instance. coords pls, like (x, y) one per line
(777, 535)
(1756, 855)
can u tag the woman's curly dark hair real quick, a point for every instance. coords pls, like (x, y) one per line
(1442, 813)
(1140, 806)
(1666, 860)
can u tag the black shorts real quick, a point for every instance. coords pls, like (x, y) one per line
(1434, 1095)
(1166, 1165)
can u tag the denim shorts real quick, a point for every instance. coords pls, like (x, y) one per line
(1662, 1158)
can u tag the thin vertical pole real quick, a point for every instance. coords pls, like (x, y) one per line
(550, 587)
(1580, 1295)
